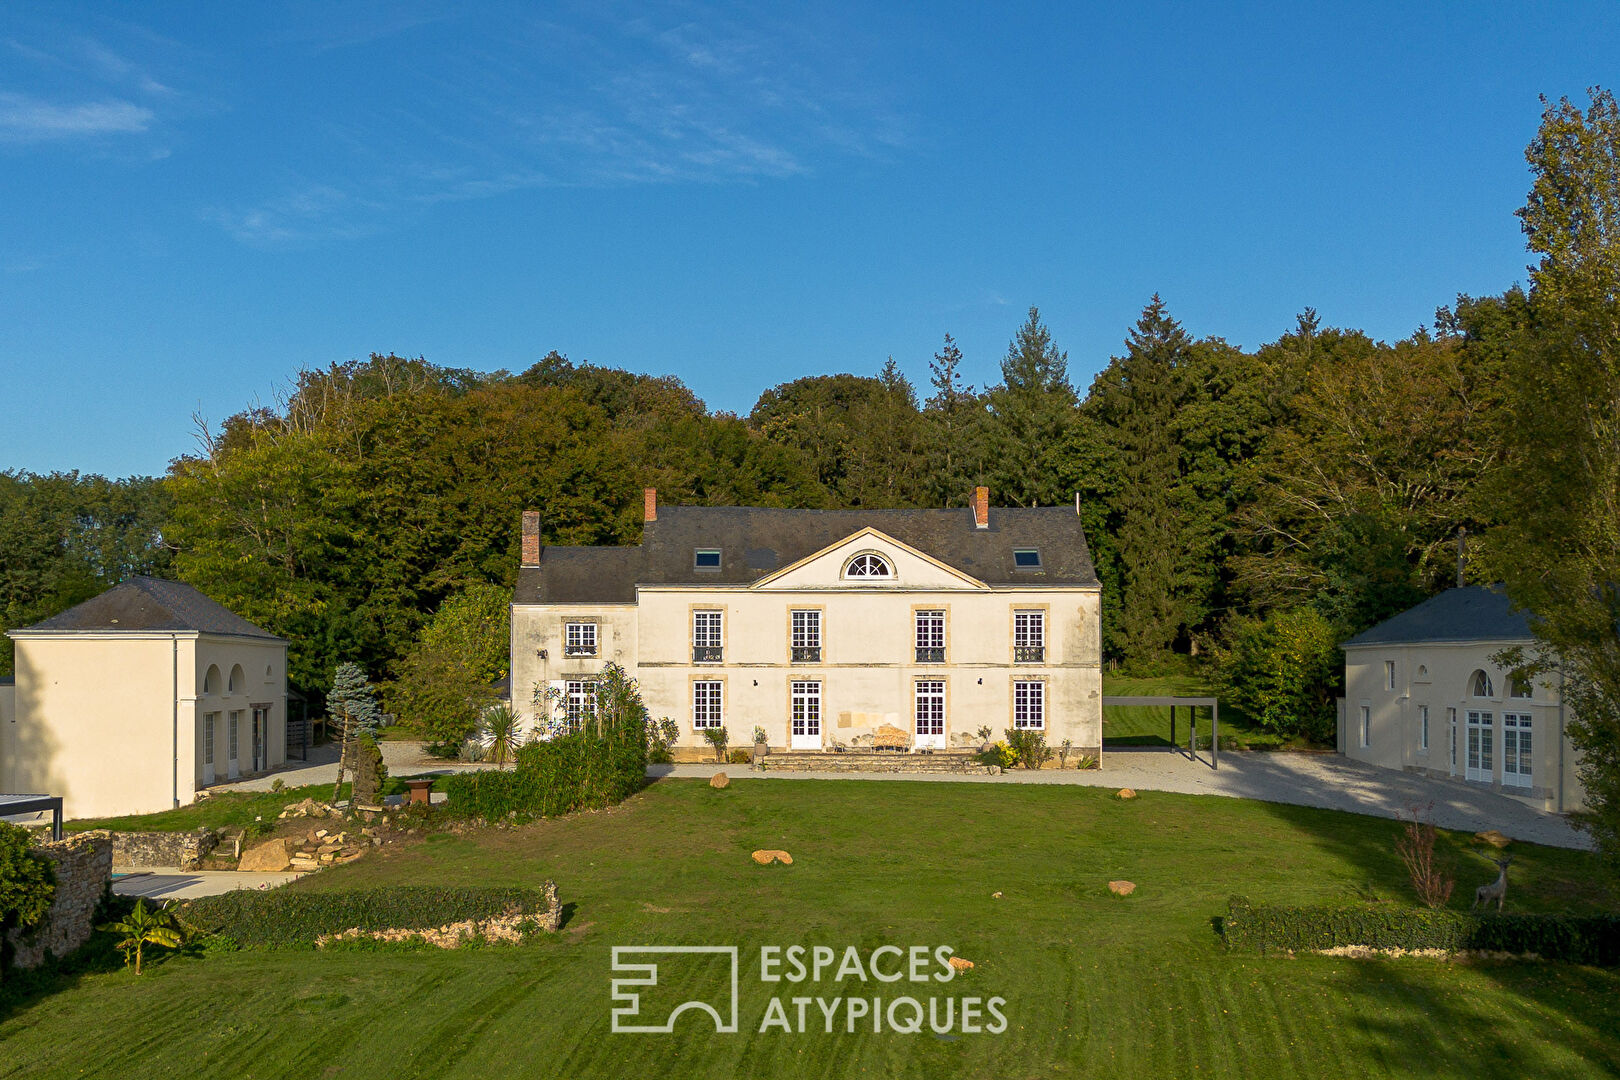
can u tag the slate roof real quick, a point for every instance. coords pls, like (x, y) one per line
(1471, 613)
(145, 604)
(757, 541)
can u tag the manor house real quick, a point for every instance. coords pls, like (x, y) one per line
(825, 628)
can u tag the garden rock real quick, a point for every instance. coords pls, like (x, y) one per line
(719, 780)
(1127, 793)
(1122, 888)
(960, 964)
(1493, 838)
(270, 857)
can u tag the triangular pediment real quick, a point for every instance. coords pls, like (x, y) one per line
(828, 568)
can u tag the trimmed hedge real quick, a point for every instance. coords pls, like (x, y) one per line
(1580, 939)
(283, 919)
(581, 771)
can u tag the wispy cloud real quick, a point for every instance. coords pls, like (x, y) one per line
(695, 94)
(296, 215)
(30, 119)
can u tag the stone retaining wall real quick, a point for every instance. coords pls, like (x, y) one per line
(83, 865)
(185, 850)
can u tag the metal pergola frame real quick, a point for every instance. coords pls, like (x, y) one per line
(1193, 704)
(35, 804)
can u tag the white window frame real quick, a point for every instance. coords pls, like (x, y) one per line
(869, 566)
(1518, 748)
(804, 712)
(1029, 628)
(231, 736)
(928, 707)
(806, 628)
(1423, 728)
(1366, 726)
(1451, 721)
(1029, 705)
(579, 639)
(579, 700)
(1389, 674)
(698, 553)
(208, 737)
(708, 624)
(928, 630)
(708, 704)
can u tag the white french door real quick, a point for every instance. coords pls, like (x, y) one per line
(1480, 764)
(1517, 756)
(930, 713)
(805, 726)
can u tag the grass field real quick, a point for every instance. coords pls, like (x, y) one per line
(1095, 985)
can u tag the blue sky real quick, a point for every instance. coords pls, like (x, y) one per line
(200, 199)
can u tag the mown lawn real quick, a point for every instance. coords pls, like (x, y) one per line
(1095, 985)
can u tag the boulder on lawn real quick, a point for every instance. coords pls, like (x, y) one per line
(1127, 793)
(960, 964)
(765, 858)
(719, 780)
(270, 857)
(1493, 838)
(1122, 888)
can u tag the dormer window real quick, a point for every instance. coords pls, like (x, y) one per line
(706, 559)
(1026, 559)
(869, 566)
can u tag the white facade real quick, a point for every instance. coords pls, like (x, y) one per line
(865, 633)
(118, 713)
(1447, 709)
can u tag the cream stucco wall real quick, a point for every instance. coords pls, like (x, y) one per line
(8, 735)
(113, 722)
(538, 628)
(1439, 677)
(868, 664)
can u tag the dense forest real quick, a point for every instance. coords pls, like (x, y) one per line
(1324, 470)
(1257, 504)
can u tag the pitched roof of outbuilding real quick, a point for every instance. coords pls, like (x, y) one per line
(1471, 613)
(757, 541)
(147, 604)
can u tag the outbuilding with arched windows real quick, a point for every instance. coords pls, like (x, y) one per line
(1427, 691)
(135, 700)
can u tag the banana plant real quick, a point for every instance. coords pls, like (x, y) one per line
(145, 926)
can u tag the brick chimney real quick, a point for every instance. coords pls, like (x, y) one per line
(649, 504)
(531, 538)
(981, 507)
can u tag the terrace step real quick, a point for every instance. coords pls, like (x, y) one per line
(877, 761)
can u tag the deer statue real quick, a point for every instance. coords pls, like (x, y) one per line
(1496, 890)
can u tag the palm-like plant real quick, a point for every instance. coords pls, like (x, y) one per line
(144, 926)
(500, 726)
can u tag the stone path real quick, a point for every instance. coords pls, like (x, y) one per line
(1325, 780)
(172, 883)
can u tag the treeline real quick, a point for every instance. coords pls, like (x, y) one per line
(1323, 470)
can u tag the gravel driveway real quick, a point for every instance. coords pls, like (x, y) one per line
(1330, 781)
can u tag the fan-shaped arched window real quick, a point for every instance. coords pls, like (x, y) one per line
(1521, 688)
(237, 679)
(868, 566)
(211, 680)
(1480, 685)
